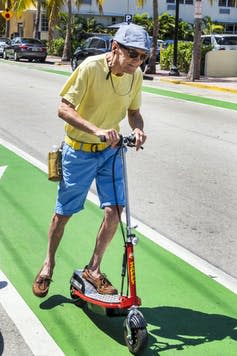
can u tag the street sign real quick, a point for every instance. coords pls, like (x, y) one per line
(128, 18)
(7, 14)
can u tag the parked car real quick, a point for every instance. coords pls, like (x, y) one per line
(25, 48)
(166, 43)
(159, 44)
(220, 41)
(3, 42)
(92, 46)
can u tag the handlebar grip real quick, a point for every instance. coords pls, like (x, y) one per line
(102, 138)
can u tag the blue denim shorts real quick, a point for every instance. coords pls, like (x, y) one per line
(80, 169)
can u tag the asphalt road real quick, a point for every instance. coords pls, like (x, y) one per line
(183, 184)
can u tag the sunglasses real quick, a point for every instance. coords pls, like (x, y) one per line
(132, 53)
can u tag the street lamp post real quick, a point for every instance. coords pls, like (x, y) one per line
(174, 70)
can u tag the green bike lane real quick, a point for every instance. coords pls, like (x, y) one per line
(187, 312)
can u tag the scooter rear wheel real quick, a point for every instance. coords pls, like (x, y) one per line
(136, 340)
(77, 300)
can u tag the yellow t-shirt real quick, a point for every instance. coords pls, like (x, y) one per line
(102, 102)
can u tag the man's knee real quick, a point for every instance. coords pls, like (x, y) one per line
(113, 214)
(60, 219)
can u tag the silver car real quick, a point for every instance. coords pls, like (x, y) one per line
(25, 48)
(3, 42)
(220, 41)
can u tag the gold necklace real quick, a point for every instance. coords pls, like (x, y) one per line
(109, 75)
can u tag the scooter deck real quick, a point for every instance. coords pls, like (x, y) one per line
(90, 290)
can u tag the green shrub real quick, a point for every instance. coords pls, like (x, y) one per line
(57, 47)
(184, 56)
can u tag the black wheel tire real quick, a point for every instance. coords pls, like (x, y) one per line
(137, 341)
(16, 58)
(42, 60)
(4, 55)
(30, 59)
(74, 63)
(77, 300)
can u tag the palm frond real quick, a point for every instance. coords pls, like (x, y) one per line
(100, 4)
(141, 3)
(19, 6)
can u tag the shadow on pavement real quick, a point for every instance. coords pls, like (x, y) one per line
(188, 327)
(1, 344)
(3, 284)
(181, 327)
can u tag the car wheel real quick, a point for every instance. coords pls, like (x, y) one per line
(4, 55)
(16, 58)
(74, 63)
(42, 60)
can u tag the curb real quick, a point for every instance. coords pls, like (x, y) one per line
(200, 85)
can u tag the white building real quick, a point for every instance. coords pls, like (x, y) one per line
(222, 11)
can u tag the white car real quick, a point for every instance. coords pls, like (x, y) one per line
(3, 42)
(220, 41)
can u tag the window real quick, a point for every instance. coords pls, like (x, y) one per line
(227, 3)
(44, 23)
(187, 2)
(224, 11)
(95, 43)
(88, 2)
(206, 41)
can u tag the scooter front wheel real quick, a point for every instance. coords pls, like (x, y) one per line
(136, 339)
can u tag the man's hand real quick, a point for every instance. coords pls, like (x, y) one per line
(140, 138)
(111, 136)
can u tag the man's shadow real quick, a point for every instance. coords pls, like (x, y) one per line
(180, 326)
(188, 327)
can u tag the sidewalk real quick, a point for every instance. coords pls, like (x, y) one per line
(227, 84)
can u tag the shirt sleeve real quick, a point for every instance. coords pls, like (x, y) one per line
(75, 87)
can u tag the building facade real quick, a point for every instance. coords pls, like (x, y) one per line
(222, 11)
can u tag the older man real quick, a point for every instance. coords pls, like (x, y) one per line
(97, 96)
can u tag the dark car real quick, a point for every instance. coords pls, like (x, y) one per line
(91, 47)
(159, 45)
(3, 42)
(25, 48)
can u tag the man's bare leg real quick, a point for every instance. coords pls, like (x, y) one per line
(55, 234)
(42, 281)
(106, 232)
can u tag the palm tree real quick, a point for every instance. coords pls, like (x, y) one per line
(54, 7)
(194, 69)
(151, 68)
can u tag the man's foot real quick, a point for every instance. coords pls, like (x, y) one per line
(41, 284)
(101, 283)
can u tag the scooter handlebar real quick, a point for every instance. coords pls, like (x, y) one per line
(127, 140)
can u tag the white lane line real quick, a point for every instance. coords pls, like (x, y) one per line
(31, 329)
(205, 267)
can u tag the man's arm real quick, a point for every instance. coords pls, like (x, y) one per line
(136, 122)
(67, 112)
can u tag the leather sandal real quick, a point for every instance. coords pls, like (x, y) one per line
(41, 285)
(101, 283)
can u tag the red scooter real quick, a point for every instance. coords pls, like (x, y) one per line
(84, 293)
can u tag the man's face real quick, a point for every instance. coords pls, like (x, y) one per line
(129, 58)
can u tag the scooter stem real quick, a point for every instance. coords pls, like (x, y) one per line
(127, 207)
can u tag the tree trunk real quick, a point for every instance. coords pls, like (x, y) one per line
(194, 69)
(151, 67)
(67, 50)
(37, 20)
